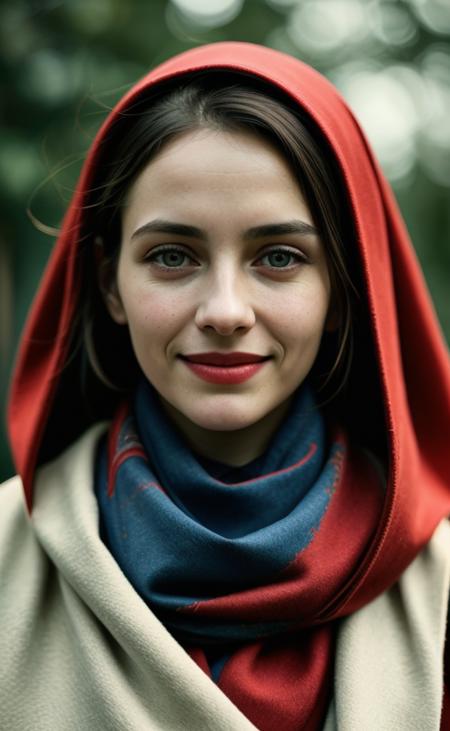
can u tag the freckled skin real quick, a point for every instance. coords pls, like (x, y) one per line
(224, 297)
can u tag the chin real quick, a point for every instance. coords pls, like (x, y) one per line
(223, 425)
(223, 422)
(223, 414)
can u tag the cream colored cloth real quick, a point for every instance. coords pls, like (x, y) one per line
(80, 651)
(389, 659)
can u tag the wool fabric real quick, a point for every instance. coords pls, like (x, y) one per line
(238, 570)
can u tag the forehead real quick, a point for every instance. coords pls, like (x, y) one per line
(209, 171)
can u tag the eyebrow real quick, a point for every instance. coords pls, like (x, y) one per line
(160, 225)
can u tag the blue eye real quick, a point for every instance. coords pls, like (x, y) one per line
(170, 258)
(282, 258)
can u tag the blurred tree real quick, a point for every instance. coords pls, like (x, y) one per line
(64, 63)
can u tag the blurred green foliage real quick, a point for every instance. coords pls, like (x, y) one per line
(63, 64)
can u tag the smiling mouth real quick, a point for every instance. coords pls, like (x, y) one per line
(225, 360)
(225, 368)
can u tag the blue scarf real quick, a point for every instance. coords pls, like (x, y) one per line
(190, 533)
(242, 564)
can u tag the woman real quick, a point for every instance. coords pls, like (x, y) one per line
(229, 416)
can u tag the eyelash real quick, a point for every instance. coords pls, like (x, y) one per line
(152, 257)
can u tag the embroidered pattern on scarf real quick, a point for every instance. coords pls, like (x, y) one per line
(239, 563)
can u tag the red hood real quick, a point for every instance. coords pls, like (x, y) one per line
(411, 358)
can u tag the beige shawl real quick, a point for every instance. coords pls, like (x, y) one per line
(79, 649)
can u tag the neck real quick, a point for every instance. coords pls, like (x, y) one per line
(235, 448)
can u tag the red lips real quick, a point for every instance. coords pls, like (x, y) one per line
(225, 369)
(224, 359)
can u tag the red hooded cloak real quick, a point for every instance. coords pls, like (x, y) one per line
(411, 360)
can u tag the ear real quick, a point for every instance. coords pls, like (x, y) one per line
(107, 282)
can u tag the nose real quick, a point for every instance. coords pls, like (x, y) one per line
(225, 304)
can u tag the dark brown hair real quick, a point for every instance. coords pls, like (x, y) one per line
(227, 102)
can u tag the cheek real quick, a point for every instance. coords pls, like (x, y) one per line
(300, 318)
(154, 314)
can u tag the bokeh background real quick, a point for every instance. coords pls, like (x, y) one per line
(64, 63)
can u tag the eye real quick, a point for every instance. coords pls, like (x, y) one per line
(282, 258)
(170, 257)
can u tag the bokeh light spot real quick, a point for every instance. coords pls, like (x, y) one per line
(322, 26)
(209, 13)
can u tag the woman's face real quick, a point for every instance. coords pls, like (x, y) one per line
(219, 256)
